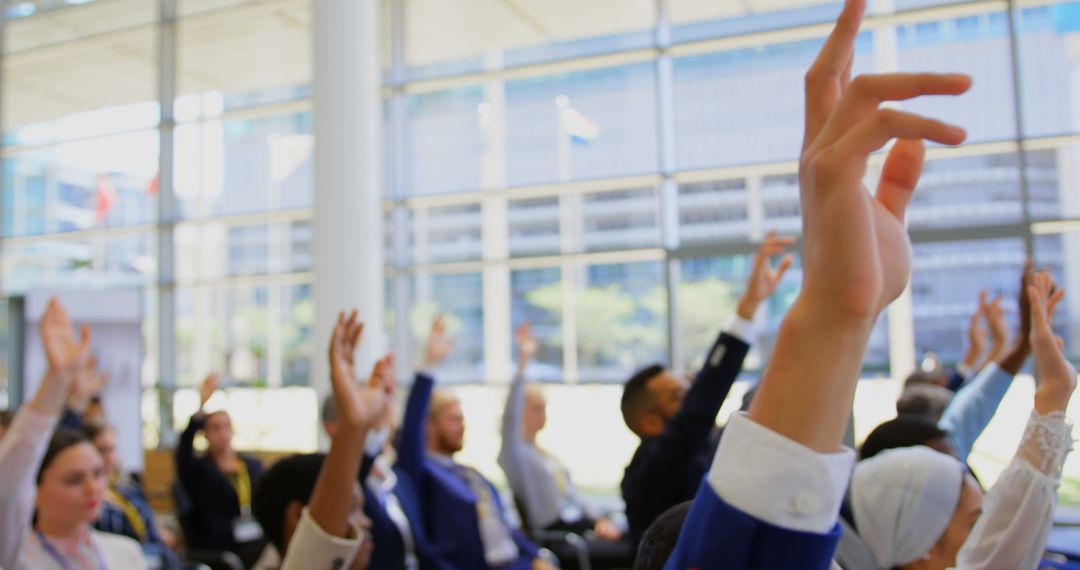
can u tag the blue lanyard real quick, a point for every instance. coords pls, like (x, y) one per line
(63, 561)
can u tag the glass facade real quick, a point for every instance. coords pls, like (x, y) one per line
(601, 169)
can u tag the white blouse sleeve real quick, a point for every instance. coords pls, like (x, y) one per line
(312, 548)
(1019, 509)
(21, 451)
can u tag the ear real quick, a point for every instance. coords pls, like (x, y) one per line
(650, 424)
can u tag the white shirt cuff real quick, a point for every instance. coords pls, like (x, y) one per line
(742, 329)
(313, 547)
(964, 370)
(779, 481)
(375, 441)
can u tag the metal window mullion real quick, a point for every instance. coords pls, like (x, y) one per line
(1018, 117)
(166, 290)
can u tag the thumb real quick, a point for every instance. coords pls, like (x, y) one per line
(900, 174)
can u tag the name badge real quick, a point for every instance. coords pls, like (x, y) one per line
(246, 529)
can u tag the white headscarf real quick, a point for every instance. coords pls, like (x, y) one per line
(903, 500)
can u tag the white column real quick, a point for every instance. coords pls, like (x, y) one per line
(348, 237)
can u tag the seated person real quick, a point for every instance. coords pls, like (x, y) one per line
(299, 501)
(927, 401)
(772, 497)
(464, 514)
(219, 483)
(52, 485)
(675, 420)
(126, 511)
(539, 481)
(391, 500)
(916, 508)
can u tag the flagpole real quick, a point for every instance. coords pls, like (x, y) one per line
(562, 105)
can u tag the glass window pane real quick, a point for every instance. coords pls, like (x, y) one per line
(461, 36)
(107, 182)
(1054, 182)
(945, 285)
(449, 233)
(621, 312)
(297, 320)
(745, 106)
(1050, 68)
(713, 211)
(573, 126)
(704, 19)
(1060, 253)
(445, 142)
(253, 53)
(460, 297)
(534, 226)
(244, 166)
(537, 298)
(51, 58)
(225, 329)
(979, 48)
(581, 125)
(968, 191)
(102, 261)
(780, 201)
(709, 290)
(210, 250)
(621, 219)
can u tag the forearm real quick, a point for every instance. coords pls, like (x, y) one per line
(51, 394)
(336, 479)
(413, 443)
(21, 450)
(807, 391)
(1013, 360)
(513, 415)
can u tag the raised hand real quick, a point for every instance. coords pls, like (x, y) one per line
(208, 387)
(439, 344)
(764, 278)
(857, 254)
(994, 315)
(87, 381)
(63, 351)
(1055, 374)
(64, 355)
(527, 344)
(976, 334)
(343, 343)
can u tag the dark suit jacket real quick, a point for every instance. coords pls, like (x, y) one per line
(214, 501)
(449, 503)
(390, 551)
(717, 535)
(667, 469)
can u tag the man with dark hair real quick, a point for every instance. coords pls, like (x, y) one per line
(674, 418)
(658, 542)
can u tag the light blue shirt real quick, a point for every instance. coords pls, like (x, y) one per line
(973, 407)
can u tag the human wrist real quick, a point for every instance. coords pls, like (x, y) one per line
(51, 393)
(747, 308)
(1013, 360)
(1050, 399)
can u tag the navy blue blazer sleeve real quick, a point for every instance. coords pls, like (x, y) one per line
(717, 535)
(413, 437)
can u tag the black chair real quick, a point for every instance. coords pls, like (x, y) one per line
(185, 515)
(558, 541)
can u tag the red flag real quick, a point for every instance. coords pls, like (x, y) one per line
(152, 187)
(106, 197)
